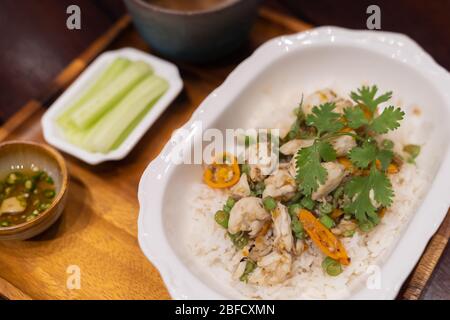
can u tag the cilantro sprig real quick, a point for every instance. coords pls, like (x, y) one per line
(356, 118)
(366, 96)
(364, 192)
(359, 189)
(325, 119)
(309, 169)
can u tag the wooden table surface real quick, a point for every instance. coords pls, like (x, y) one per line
(100, 236)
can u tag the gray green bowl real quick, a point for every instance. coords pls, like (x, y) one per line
(194, 36)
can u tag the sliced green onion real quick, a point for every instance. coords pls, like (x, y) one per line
(49, 180)
(249, 267)
(348, 233)
(5, 223)
(297, 228)
(366, 226)
(230, 202)
(49, 193)
(325, 208)
(412, 149)
(308, 203)
(29, 185)
(239, 239)
(327, 221)
(331, 267)
(269, 203)
(222, 218)
(293, 209)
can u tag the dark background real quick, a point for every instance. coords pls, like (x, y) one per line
(35, 46)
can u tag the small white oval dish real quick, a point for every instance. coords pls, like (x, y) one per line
(52, 132)
(304, 62)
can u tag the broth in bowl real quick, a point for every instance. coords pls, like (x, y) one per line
(24, 194)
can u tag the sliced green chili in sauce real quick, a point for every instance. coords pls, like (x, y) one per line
(24, 195)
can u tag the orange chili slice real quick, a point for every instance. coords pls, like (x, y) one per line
(322, 237)
(222, 174)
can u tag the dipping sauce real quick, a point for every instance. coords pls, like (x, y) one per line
(187, 5)
(24, 194)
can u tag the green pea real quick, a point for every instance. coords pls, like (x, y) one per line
(269, 203)
(222, 218)
(308, 203)
(325, 208)
(331, 267)
(327, 221)
(387, 144)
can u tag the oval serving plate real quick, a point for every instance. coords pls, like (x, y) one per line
(164, 69)
(306, 61)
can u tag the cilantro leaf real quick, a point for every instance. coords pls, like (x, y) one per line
(364, 155)
(387, 120)
(366, 96)
(355, 117)
(382, 187)
(385, 156)
(326, 151)
(324, 119)
(359, 189)
(309, 170)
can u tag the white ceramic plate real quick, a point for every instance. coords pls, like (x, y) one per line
(164, 69)
(306, 61)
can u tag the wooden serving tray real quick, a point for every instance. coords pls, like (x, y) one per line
(98, 230)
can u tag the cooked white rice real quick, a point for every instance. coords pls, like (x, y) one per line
(216, 254)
